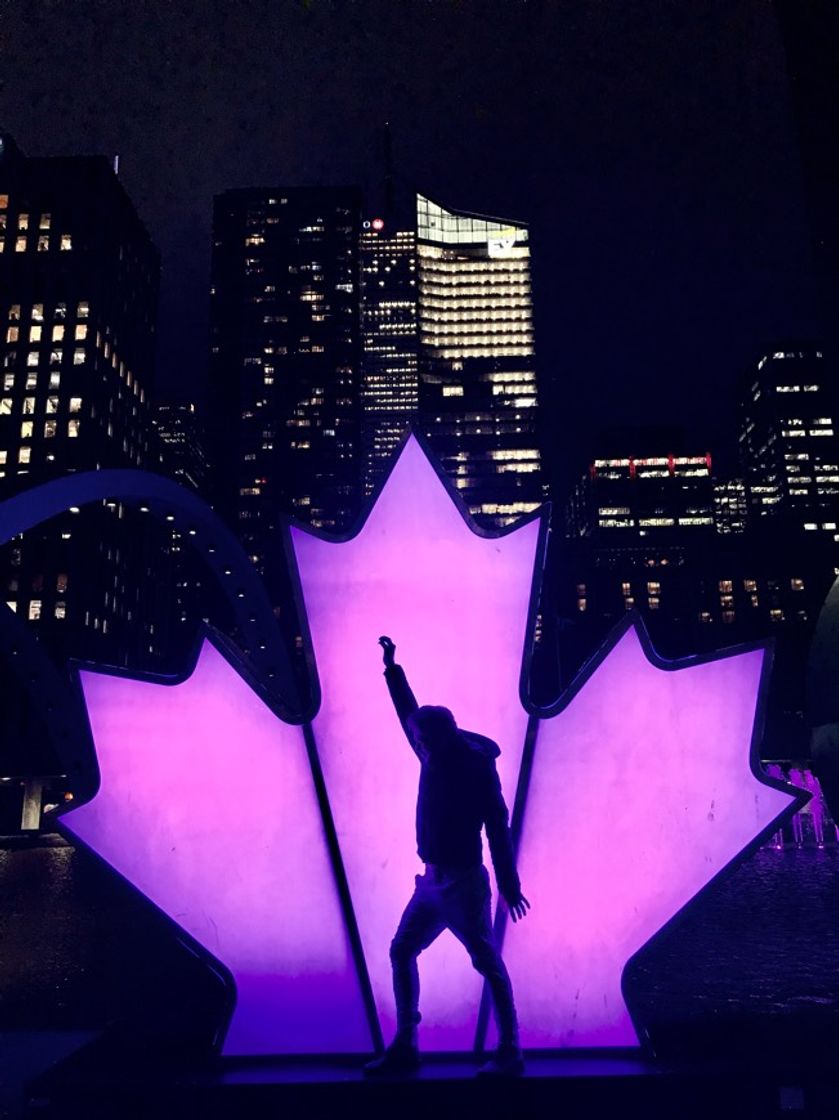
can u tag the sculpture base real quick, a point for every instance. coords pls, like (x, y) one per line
(96, 1084)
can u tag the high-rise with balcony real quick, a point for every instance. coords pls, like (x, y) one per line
(78, 293)
(285, 359)
(478, 398)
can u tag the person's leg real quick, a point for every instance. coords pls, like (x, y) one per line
(420, 924)
(468, 915)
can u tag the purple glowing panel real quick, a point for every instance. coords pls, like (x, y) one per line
(641, 791)
(456, 605)
(208, 807)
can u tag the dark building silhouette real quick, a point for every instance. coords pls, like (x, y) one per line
(78, 296)
(789, 448)
(390, 380)
(192, 595)
(182, 444)
(285, 361)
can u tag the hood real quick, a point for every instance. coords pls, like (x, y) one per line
(480, 744)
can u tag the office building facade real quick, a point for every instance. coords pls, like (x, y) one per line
(478, 397)
(788, 443)
(284, 412)
(78, 294)
(389, 360)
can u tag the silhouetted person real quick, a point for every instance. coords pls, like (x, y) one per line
(459, 792)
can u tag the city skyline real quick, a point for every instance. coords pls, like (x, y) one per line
(635, 146)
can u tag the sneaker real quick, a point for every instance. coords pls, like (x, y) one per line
(397, 1058)
(507, 1062)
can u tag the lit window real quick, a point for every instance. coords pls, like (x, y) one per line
(14, 313)
(55, 379)
(61, 581)
(78, 357)
(43, 244)
(34, 610)
(49, 429)
(66, 241)
(20, 244)
(32, 379)
(75, 404)
(4, 202)
(72, 428)
(5, 406)
(60, 609)
(797, 584)
(38, 312)
(58, 332)
(35, 332)
(83, 309)
(81, 330)
(52, 405)
(28, 406)
(12, 334)
(776, 614)
(44, 222)
(26, 429)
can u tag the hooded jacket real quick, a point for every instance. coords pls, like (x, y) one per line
(459, 793)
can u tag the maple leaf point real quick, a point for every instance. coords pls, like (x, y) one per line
(456, 602)
(643, 788)
(206, 804)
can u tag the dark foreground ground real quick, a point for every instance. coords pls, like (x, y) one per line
(748, 979)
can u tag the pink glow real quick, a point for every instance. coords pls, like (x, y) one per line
(456, 605)
(640, 793)
(207, 806)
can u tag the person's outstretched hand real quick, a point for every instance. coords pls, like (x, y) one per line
(518, 907)
(388, 649)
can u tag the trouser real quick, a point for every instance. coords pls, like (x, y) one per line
(459, 901)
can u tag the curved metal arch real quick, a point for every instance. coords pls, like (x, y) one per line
(263, 647)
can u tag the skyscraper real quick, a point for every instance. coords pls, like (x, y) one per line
(389, 382)
(285, 360)
(478, 394)
(78, 295)
(788, 443)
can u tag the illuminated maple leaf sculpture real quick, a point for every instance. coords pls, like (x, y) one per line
(640, 788)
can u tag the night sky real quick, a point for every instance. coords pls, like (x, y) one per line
(650, 146)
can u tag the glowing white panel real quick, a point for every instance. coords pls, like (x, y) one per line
(208, 807)
(456, 604)
(641, 791)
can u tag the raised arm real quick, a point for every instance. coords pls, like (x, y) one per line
(501, 846)
(403, 698)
